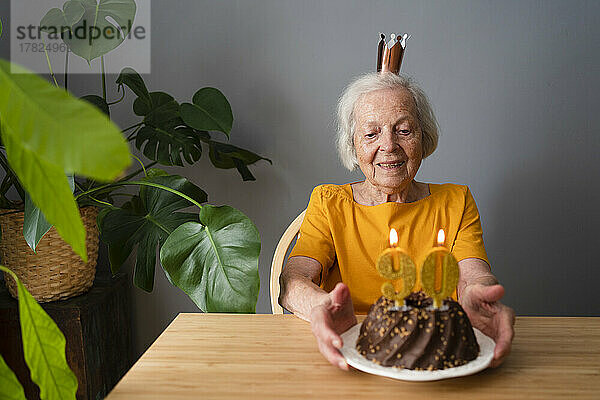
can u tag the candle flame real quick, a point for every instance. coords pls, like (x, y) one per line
(393, 237)
(441, 237)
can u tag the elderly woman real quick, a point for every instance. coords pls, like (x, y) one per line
(386, 128)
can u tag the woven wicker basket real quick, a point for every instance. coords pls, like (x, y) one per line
(55, 272)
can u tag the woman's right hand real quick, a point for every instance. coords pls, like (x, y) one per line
(331, 318)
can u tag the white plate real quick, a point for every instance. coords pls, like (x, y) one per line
(354, 359)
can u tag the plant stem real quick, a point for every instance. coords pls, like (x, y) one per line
(10, 172)
(5, 185)
(118, 101)
(141, 163)
(4, 163)
(120, 182)
(8, 181)
(131, 127)
(128, 177)
(123, 194)
(79, 186)
(103, 79)
(48, 61)
(8, 271)
(142, 183)
(132, 134)
(168, 189)
(13, 178)
(18, 188)
(101, 202)
(67, 69)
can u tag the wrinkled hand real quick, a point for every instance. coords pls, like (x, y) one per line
(491, 317)
(331, 318)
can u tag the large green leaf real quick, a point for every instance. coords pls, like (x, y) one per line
(216, 261)
(44, 348)
(35, 225)
(226, 156)
(94, 21)
(146, 221)
(48, 132)
(10, 387)
(210, 111)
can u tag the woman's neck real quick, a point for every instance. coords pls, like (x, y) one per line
(368, 194)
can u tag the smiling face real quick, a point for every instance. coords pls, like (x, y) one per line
(388, 139)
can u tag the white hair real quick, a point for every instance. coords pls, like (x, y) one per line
(378, 81)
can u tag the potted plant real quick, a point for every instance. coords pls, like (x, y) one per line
(195, 248)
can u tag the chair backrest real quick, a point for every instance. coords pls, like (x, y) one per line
(279, 260)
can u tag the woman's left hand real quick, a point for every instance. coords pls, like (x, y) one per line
(491, 317)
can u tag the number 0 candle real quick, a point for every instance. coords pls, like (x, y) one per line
(439, 273)
(393, 264)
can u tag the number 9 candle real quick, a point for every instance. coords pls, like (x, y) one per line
(439, 274)
(393, 264)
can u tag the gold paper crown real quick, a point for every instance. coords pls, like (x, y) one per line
(389, 55)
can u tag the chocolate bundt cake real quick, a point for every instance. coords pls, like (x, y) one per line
(417, 336)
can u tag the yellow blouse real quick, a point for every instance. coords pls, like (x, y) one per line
(346, 237)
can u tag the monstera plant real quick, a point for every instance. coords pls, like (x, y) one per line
(211, 254)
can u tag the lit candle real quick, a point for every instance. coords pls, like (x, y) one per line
(439, 273)
(393, 264)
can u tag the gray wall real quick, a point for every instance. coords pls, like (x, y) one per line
(514, 85)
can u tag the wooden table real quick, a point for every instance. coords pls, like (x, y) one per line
(217, 356)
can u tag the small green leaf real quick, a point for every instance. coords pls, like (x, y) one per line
(215, 262)
(210, 111)
(134, 81)
(44, 348)
(35, 225)
(225, 156)
(10, 387)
